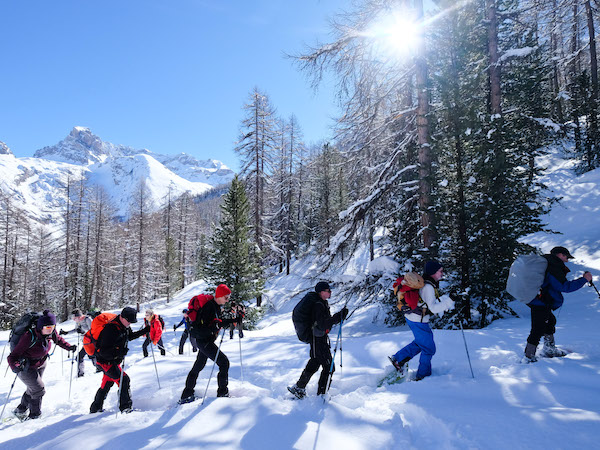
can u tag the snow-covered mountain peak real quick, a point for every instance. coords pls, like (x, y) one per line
(4, 150)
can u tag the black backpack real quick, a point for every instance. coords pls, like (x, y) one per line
(302, 315)
(26, 322)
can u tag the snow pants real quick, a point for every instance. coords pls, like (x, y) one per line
(543, 322)
(320, 356)
(159, 344)
(208, 350)
(32, 398)
(112, 375)
(423, 344)
(239, 327)
(184, 337)
(81, 361)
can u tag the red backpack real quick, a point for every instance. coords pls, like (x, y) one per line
(196, 304)
(91, 337)
(406, 289)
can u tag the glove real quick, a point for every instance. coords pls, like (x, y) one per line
(344, 313)
(174, 327)
(72, 348)
(17, 367)
(62, 332)
(154, 342)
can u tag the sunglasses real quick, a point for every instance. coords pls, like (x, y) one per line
(48, 327)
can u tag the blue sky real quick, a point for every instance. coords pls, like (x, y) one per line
(171, 76)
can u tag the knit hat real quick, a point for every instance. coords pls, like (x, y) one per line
(222, 290)
(562, 250)
(77, 312)
(322, 286)
(432, 267)
(129, 314)
(47, 319)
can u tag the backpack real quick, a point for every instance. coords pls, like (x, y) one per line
(91, 337)
(162, 322)
(26, 322)
(406, 290)
(526, 276)
(196, 304)
(302, 315)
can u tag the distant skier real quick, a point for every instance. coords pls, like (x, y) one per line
(543, 321)
(205, 313)
(156, 324)
(111, 348)
(28, 361)
(237, 312)
(418, 321)
(321, 322)
(186, 332)
(83, 324)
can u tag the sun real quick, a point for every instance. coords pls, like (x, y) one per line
(395, 33)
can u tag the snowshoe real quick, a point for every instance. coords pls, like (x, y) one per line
(129, 410)
(394, 377)
(297, 392)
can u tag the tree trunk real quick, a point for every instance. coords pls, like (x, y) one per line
(495, 96)
(425, 159)
(593, 137)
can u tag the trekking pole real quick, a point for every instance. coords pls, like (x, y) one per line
(62, 362)
(71, 378)
(241, 361)
(330, 375)
(120, 386)
(466, 348)
(8, 396)
(213, 367)
(155, 368)
(3, 349)
(594, 286)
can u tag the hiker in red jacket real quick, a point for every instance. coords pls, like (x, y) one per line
(156, 324)
(205, 327)
(111, 348)
(28, 361)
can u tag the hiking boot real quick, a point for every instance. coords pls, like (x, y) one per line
(223, 393)
(401, 366)
(127, 410)
(549, 350)
(189, 399)
(530, 353)
(20, 413)
(79, 374)
(33, 416)
(297, 392)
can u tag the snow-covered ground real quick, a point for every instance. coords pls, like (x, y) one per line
(554, 403)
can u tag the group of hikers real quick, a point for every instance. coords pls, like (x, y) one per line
(418, 298)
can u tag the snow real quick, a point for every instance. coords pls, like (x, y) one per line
(554, 403)
(517, 53)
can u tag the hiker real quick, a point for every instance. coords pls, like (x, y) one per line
(549, 299)
(186, 332)
(205, 328)
(111, 348)
(156, 324)
(237, 312)
(83, 324)
(417, 320)
(28, 361)
(320, 354)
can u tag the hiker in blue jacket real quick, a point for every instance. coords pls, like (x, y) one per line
(549, 299)
(186, 332)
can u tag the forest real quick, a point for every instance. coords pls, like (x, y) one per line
(446, 109)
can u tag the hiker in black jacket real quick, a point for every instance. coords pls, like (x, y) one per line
(205, 329)
(320, 353)
(111, 348)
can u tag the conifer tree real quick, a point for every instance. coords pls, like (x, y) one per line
(234, 258)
